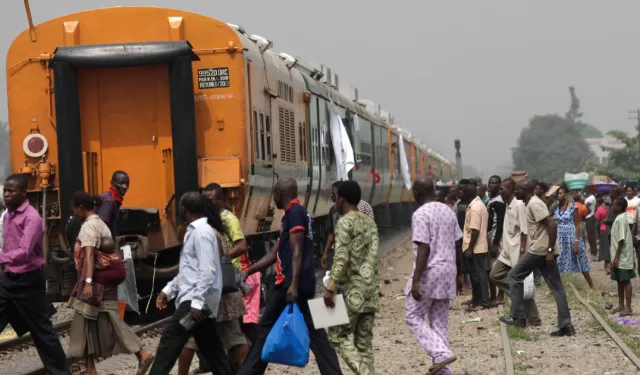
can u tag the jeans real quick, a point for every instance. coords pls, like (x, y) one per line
(326, 357)
(527, 264)
(499, 276)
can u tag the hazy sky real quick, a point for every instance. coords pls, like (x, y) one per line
(474, 70)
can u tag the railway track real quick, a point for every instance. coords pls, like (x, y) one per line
(17, 342)
(77, 364)
(515, 366)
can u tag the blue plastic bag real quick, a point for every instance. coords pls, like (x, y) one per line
(288, 340)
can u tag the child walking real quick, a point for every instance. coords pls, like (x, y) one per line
(622, 253)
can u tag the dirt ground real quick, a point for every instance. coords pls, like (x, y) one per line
(477, 345)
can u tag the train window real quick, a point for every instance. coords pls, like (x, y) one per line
(300, 142)
(262, 145)
(255, 135)
(365, 139)
(395, 152)
(268, 123)
(304, 141)
(313, 121)
(325, 119)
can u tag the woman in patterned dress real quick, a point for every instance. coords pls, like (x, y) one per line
(573, 252)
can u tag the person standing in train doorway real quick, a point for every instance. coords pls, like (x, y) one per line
(22, 285)
(354, 274)
(436, 274)
(112, 199)
(295, 281)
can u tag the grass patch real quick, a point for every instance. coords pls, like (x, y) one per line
(517, 333)
(522, 369)
(629, 334)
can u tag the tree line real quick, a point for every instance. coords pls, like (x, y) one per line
(552, 145)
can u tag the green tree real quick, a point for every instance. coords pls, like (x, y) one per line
(588, 131)
(549, 147)
(4, 149)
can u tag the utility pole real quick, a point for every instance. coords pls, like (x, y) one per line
(635, 115)
(456, 144)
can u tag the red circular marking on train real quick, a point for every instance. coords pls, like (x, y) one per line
(35, 145)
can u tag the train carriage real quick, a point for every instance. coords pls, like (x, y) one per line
(180, 100)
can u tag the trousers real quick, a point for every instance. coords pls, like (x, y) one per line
(326, 357)
(357, 352)
(23, 304)
(499, 276)
(433, 336)
(592, 234)
(174, 337)
(551, 275)
(480, 267)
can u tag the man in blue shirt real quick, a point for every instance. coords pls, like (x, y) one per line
(295, 281)
(197, 290)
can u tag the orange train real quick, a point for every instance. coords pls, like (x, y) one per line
(179, 100)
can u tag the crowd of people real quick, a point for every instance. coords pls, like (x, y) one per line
(463, 239)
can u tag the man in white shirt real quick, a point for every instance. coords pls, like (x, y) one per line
(197, 289)
(632, 204)
(592, 230)
(513, 246)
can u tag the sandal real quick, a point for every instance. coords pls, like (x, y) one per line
(616, 310)
(198, 371)
(439, 366)
(475, 308)
(144, 366)
(626, 312)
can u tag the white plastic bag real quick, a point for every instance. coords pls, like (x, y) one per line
(326, 278)
(529, 287)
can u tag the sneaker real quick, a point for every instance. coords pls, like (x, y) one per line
(522, 323)
(565, 331)
(534, 322)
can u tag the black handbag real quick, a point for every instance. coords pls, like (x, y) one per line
(228, 271)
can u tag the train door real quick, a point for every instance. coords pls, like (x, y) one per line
(126, 111)
(314, 137)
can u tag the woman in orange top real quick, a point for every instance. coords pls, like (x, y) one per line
(582, 211)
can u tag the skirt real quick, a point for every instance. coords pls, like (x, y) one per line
(622, 275)
(604, 247)
(107, 336)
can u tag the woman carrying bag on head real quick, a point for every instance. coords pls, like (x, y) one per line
(97, 331)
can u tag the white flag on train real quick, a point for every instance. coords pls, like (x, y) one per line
(341, 148)
(404, 166)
